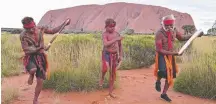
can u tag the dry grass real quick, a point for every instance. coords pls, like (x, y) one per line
(9, 93)
(198, 73)
(204, 44)
(75, 60)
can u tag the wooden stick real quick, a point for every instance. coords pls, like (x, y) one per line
(55, 36)
(196, 34)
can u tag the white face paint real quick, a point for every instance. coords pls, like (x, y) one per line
(168, 27)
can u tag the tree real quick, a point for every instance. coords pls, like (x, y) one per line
(212, 30)
(129, 31)
(189, 29)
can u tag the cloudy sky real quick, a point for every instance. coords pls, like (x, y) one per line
(203, 12)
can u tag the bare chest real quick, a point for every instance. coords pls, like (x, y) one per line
(165, 40)
(35, 39)
(111, 37)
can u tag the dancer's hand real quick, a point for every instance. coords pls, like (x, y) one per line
(67, 22)
(201, 34)
(180, 54)
(119, 38)
(175, 53)
(119, 58)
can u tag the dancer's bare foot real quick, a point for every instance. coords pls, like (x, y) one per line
(35, 102)
(112, 95)
(30, 79)
(24, 72)
(101, 83)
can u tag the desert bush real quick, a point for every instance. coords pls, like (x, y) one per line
(198, 74)
(75, 60)
(11, 55)
(8, 94)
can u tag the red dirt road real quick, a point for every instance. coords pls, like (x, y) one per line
(136, 87)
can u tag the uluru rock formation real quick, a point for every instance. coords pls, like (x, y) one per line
(141, 18)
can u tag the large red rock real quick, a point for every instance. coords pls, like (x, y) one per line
(141, 18)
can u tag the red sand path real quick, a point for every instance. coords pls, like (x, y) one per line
(136, 87)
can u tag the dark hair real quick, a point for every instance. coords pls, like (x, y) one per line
(109, 21)
(27, 20)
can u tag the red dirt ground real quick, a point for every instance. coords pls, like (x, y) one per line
(136, 87)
